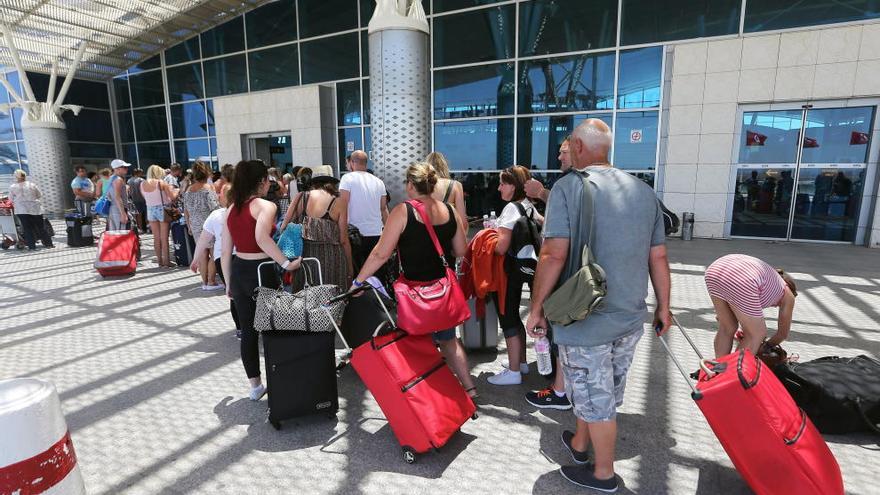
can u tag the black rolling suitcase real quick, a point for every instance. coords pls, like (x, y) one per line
(182, 243)
(79, 230)
(300, 372)
(363, 315)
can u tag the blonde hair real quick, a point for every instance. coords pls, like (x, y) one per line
(20, 175)
(422, 176)
(439, 162)
(105, 172)
(155, 172)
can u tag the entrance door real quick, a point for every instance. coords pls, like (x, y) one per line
(802, 189)
(273, 149)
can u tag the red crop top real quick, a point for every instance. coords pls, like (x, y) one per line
(242, 228)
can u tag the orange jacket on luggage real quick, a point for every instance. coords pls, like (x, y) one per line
(483, 270)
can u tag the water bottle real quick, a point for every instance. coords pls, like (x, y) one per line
(493, 220)
(545, 361)
(486, 221)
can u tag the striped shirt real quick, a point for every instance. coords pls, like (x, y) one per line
(746, 283)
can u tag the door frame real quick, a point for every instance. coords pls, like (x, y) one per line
(247, 140)
(869, 201)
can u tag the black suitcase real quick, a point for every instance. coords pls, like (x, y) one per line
(363, 315)
(79, 230)
(182, 243)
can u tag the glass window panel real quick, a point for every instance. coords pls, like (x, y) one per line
(22, 156)
(151, 124)
(348, 103)
(447, 5)
(150, 63)
(827, 203)
(770, 137)
(482, 91)
(274, 68)
(317, 17)
(781, 14)
(635, 140)
(476, 144)
(129, 154)
(185, 82)
(187, 51)
(120, 87)
(16, 120)
(39, 84)
(154, 154)
(211, 128)
(6, 133)
(365, 54)
(837, 135)
(188, 120)
(555, 26)
(539, 138)
(223, 39)
(225, 76)
(565, 84)
(9, 155)
(271, 24)
(187, 152)
(638, 83)
(86, 93)
(126, 126)
(89, 125)
(476, 36)
(92, 150)
(649, 21)
(330, 59)
(762, 199)
(366, 94)
(147, 89)
(214, 164)
(349, 140)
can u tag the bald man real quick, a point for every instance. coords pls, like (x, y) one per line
(596, 352)
(365, 195)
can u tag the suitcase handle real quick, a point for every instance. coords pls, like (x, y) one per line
(695, 394)
(358, 290)
(303, 260)
(797, 436)
(739, 370)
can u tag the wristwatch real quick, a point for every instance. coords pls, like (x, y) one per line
(285, 264)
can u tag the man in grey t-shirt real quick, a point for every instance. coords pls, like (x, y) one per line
(629, 245)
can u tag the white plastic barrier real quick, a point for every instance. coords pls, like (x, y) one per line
(36, 453)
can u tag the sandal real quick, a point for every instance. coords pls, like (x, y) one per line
(472, 392)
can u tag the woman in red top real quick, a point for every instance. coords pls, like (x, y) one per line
(741, 287)
(250, 222)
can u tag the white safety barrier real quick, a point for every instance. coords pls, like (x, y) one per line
(36, 453)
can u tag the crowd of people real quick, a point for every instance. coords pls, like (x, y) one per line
(234, 214)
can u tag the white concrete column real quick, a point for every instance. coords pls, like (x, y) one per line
(49, 166)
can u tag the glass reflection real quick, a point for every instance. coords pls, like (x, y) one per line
(120, 87)
(147, 89)
(762, 198)
(538, 138)
(186, 51)
(837, 135)
(482, 91)
(225, 76)
(476, 144)
(188, 120)
(770, 137)
(635, 140)
(558, 26)
(348, 103)
(6, 133)
(329, 59)
(781, 14)
(828, 202)
(565, 84)
(638, 84)
(154, 153)
(317, 17)
(274, 68)
(475, 36)
(185, 82)
(649, 21)
(271, 24)
(126, 126)
(225, 38)
(151, 124)
(187, 152)
(349, 141)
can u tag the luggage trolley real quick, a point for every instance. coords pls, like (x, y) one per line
(10, 228)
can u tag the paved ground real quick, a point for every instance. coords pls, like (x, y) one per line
(148, 372)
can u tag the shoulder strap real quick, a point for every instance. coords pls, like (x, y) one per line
(530, 216)
(420, 209)
(588, 210)
(448, 191)
(161, 193)
(304, 201)
(330, 207)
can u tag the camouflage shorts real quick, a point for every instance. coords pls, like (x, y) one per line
(595, 377)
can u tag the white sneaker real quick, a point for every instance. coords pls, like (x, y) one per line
(258, 392)
(213, 287)
(506, 377)
(523, 367)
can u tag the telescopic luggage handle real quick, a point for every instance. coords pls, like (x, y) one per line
(695, 394)
(358, 290)
(303, 265)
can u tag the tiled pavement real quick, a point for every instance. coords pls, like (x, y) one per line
(148, 372)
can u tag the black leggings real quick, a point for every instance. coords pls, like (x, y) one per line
(219, 267)
(244, 281)
(32, 230)
(511, 323)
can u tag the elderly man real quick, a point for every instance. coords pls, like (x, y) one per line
(364, 193)
(596, 352)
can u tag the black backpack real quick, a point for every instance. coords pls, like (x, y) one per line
(526, 232)
(670, 220)
(840, 395)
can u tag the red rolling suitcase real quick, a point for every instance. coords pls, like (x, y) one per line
(772, 443)
(118, 252)
(423, 401)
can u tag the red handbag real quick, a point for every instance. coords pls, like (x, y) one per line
(426, 307)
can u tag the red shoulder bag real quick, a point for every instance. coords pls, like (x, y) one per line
(426, 307)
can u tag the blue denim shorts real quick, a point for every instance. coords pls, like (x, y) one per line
(155, 213)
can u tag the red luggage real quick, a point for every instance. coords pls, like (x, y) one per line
(772, 443)
(118, 252)
(423, 401)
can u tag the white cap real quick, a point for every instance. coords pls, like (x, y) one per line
(117, 163)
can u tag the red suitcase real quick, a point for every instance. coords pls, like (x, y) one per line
(117, 253)
(423, 401)
(772, 443)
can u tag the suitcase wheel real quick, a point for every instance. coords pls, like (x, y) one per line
(475, 416)
(409, 455)
(275, 424)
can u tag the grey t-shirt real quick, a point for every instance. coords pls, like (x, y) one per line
(628, 223)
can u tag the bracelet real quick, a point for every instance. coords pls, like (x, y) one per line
(285, 264)
(357, 284)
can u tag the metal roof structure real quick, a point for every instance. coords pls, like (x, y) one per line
(120, 33)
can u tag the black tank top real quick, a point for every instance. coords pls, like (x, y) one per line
(416, 250)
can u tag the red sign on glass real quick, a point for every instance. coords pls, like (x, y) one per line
(858, 138)
(755, 139)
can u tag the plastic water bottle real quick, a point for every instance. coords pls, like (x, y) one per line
(493, 220)
(486, 222)
(545, 361)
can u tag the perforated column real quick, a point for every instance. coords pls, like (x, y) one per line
(399, 104)
(48, 161)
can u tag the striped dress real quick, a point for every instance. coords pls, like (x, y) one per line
(746, 283)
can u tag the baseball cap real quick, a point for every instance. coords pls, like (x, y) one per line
(117, 163)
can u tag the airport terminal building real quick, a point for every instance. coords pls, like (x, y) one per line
(760, 116)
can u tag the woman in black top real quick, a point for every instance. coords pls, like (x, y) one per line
(405, 232)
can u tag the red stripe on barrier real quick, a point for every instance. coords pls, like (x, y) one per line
(40, 472)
